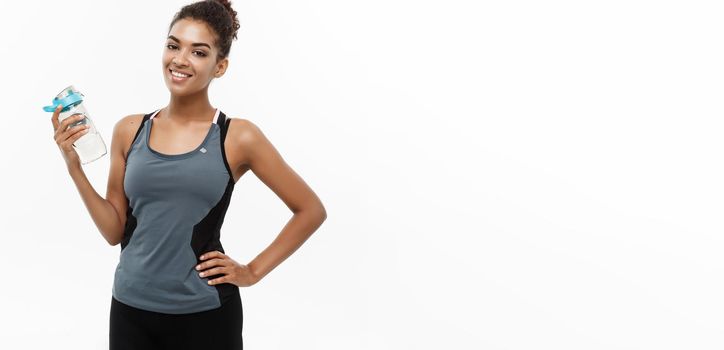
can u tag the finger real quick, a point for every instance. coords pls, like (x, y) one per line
(76, 133)
(71, 140)
(214, 271)
(71, 120)
(219, 280)
(209, 263)
(62, 136)
(54, 118)
(212, 254)
(64, 129)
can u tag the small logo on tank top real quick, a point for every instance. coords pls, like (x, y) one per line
(203, 150)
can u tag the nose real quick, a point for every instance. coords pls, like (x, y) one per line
(180, 59)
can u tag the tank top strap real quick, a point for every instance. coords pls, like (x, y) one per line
(138, 132)
(216, 116)
(223, 122)
(151, 115)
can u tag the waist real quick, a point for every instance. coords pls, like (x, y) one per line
(165, 293)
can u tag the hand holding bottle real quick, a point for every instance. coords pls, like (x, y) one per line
(65, 136)
(80, 142)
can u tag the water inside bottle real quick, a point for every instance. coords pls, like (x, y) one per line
(92, 146)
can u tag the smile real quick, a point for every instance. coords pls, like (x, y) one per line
(175, 76)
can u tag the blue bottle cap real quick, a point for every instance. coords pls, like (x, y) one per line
(71, 100)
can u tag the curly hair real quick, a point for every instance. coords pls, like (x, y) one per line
(219, 16)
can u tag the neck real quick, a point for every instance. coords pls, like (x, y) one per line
(188, 108)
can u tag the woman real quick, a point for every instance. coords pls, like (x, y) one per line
(171, 179)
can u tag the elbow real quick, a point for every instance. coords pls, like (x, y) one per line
(322, 213)
(318, 213)
(114, 239)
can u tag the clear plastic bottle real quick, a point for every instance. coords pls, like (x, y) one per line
(90, 146)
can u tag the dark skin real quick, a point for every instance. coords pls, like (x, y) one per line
(179, 128)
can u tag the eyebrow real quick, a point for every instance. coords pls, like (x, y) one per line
(194, 44)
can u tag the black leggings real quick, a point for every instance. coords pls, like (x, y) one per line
(136, 329)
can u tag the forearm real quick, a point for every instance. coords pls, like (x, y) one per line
(297, 230)
(102, 212)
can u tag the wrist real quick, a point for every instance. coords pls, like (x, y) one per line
(255, 275)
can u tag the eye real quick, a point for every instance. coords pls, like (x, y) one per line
(172, 46)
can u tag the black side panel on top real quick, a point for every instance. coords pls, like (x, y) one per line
(207, 233)
(129, 229)
(206, 237)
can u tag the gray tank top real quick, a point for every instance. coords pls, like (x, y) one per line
(176, 206)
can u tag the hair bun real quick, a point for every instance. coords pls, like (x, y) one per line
(220, 18)
(232, 13)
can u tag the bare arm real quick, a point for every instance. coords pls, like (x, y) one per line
(309, 213)
(101, 210)
(109, 214)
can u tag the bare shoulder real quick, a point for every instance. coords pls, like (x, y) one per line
(245, 136)
(124, 131)
(131, 121)
(245, 133)
(242, 128)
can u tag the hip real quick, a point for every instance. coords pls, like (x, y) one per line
(220, 327)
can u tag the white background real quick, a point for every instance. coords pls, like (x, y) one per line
(497, 174)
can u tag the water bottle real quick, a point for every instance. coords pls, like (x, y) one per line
(89, 146)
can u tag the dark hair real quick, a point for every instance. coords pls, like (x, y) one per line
(218, 15)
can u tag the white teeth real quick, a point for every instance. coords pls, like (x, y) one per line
(177, 74)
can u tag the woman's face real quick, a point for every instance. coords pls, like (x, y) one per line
(190, 50)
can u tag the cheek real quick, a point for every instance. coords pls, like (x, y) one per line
(168, 54)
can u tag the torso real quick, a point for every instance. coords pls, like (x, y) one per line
(169, 139)
(178, 181)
